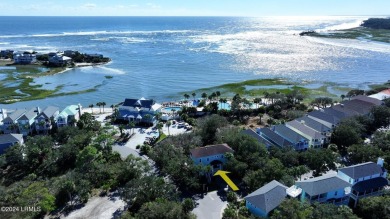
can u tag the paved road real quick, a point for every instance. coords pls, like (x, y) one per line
(211, 206)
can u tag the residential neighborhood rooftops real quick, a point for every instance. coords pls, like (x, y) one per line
(277, 139)
(49, 111)
(373, 183)
(210, 150)
(69, 110)
(268, 197)
(362, 170)
(322, 184)
(288, 133)
(359, 106)
(16, 114)
(253, 134)
(336, 113)
(367, 99)
(347, 111)
(324, 117)
(139, 103)
(313, 124)
(31, 114)
(10, 138)
(305, 129)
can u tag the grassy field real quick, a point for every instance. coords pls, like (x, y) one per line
(256, 88)
(380, 35)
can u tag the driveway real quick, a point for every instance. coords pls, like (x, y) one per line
(211, 206)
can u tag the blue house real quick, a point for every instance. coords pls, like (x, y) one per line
(137, 109)
(213, 155)
(272, 138)
(328, 188)
(367, 179)
(266, 199)
(8, 140)
(299, 142)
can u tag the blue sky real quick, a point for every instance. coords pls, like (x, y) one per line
(193, 7)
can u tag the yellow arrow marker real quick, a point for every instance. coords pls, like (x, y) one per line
(227, 179)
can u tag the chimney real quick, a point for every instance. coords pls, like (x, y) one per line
(37, 110)
(380, 161)
(302, 121)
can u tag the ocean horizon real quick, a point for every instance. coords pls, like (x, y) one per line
(162, 57)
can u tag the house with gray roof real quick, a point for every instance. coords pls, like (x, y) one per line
(300, 143)
(262, 201)
(26, 122)
(270, 136)
(46, 119)
(368, 99)
(10, 123)
(360, 106)
(8, 140)
(322, 117)
(328, 188)
(367, 179)
(348, 112)
(316, 139)
(261, 140)
(319, 127)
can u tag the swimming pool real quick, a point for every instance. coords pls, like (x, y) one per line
(224, 106)
(171, 109)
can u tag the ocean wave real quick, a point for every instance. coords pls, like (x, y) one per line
(343, 26)
(95, 33)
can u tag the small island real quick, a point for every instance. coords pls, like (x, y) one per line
(372, 29)
(19, 68)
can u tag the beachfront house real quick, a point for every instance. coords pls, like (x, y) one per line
(329, 188)
(262, 201)
(300, 143)
(10, 123)
(69, 116)
(46, 119)
(8, 140)
(381, 95)
(316, 139)
(273, 138)
(213, 155)
(24, 58)
(59, 60)
(6, 53)
(26, 122)
(137, 110)
(70, 53)
(367, 179)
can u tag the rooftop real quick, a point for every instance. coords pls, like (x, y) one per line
(313, 124)
(10, 138)
(362, 170)
(324, 117)
(289, 134)
(305, 129)
(276, 138)
(322, 184)
(374, 183)
(139, 103)
(210, 150)
(268, 197)
(253, 134)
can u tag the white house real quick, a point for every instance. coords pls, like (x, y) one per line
(24, 58)
(137, 109)
(26, 122)
(59, 60)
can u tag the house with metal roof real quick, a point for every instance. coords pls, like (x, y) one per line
(262, 201)
(10, 123)
(69, 116)
(328, 188)
(367, 179)
(260, 139)
(324, 118)
(272, 137)
(46, 119)
(316, 139)
(300, 143)
(137, 109)
(360, 106)
(213, 155)
(26, 122)
(8, 140)
(319, 127)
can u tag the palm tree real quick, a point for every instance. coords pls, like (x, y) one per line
(103, 104)
(169, 123)
(342, 96)
(158, 116)
(159, 127)
(213, 95)
(186, 96)
(131, 126)
(260, 115)
(91, 106)
(99, 104)
(147, 118)
(218, 93)
(257, 101)
(193, 95)
(121, 127)
(204, 96)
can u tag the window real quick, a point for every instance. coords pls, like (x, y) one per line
(335, 193)
(200, 160)
(207, 159)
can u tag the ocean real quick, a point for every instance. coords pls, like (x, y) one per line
(161, 57)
